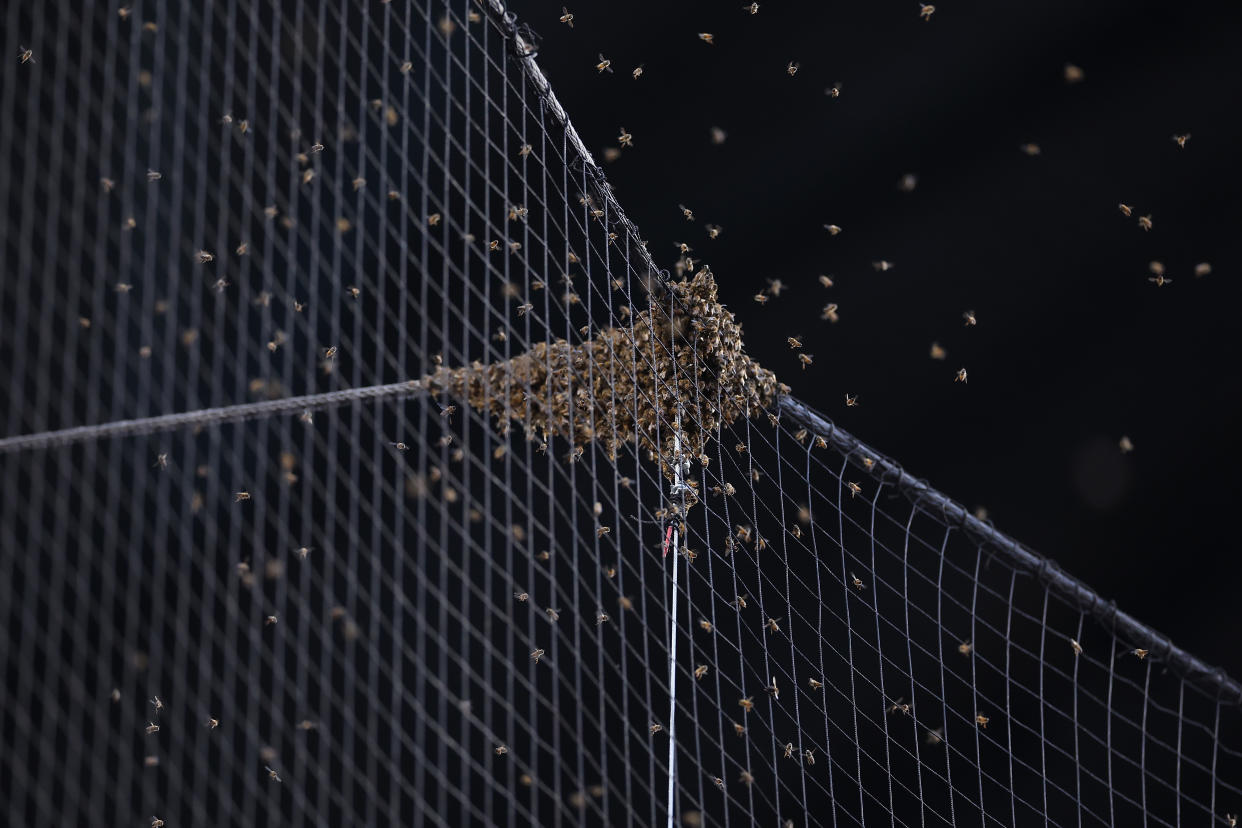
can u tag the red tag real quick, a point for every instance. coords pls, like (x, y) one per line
(667, 536)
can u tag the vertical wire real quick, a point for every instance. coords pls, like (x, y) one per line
(672, 655)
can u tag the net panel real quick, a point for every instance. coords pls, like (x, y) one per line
(351, 587)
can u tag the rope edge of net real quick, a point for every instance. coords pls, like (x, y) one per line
(1212, 680)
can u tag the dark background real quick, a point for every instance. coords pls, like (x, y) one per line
(1074, 347)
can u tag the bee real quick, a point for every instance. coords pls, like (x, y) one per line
(772, 690)
(686, 212)
(834, 91)
(965, 647)
(567, 17)
(303, 551)
(908, 182)
(772, 626)
(1073, 74)
(1232, 820)
(240, 496)
(329, 352)
(272, 774)
(934, 737)
(792, 68)
(830, 312)
(269, 621)
(747, 704)
(961, 375)
(525, 149)
(154, 175)
(739, 729)
(816, 684)
(899, 707)
(969, 316)
(718, 782)
(26, 55)
(130, 223)
(826, 281)
(1125, 209)
(1031, 149)
(519, 211)
(700, 671)
(743, 534)
(1140, 652)
(205, 257)
(124, 12)
(810, 756)
(152, 727)
(926, 10)
(501, 750)
(883, 265)
(536, 654)
(982, 720)
(1160, 280)
(708, 38)
(805, 359)
(604, 65)
(354, 292)
(1203, 269)
(857, 582)
(761, 298)
(739, 602)
(108, 184)
(868, 463)
(753, 8)
(1076, 647)
(851, 400)
(1145, 222)
(553, 614)
(832, 229)
(718, 135)
(472, 16)
(601, 617)
(626, 139)
(854, 488)
(1126, 444)
(775, 286)
(448, 411)
(638, 71)
(713, 230)
(705, 625)
(1181, 140)
(161, 460)
(656, 728)
(308, 176)
(937, 352)
(156, 822)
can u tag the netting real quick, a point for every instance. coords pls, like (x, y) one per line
(361, 467)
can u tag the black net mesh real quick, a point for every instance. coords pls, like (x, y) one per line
(354, 446)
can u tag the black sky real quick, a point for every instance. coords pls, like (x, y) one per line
(1074, 347)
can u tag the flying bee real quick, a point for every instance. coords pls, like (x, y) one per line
(937, 352)
(718, 782)
(1145, 222)
(832, 229)
(526, 149)
(969, 316)
(303, 551)
(204, 257)
(1140, 652)
(775, 286)
(154, 175)
(601, 617)
(626, 139)
(567, 17)
(739, 602)
(883, 266)
(161, 460)
(708, 38)
(156, 822)
(1031, 149)
(700, 671)
(1160, 280)
(271, 773)
(746, 778)
(753, 8)
(789, 750)
(816, 684)
(354, 292)
(805, 359)
(656, 728)
(26, 55)
(713, 230)
(761, 298)
(686, 212)
(1126, 444)
(604, 65)
(964, 648)
(536, 654)
(747, 704)
(772, 690)
(1076, 647)
(772, 626)
(926, 10)
(830, 312)
(826, 281)
(329, 352)
(981, 720)
(1181, 140)
(705, 625)
(851, 400)
(1203, 269)
(240, 496)
(857, 582)
(739, 729)
(269, 621)
(854, 488)
(501, 750)
(1125, 209)
(961, 375)
(792, 68)
(553, 614)
(810, 756)
(899, 707)
(152, 727)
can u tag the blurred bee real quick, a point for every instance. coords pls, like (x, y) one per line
(899, 707)
(857, 582)
(926, 10)
(638, 71)
(792, 68)
(604, 65)
(152, 727)
(1126, 444)
(626, 139)
(826, 281)
(154, 175)
(883, 265)
(1160, 280)
(303, 551)
(708, 38)
(536, 654)
(567, 18)
(961, 375)
(1125, 209)
(705, 625)
(854, 488)
(1030, 149)
(1203, 269)
(739, 729)
(25, 55)
(830, 312)
(686, 212)
(501, 750)
(1140, 652)
(1181, 140)
(525, 149)
(1145, 222)
(656, 728)
(816, 684)
(700, 671)
(1076, 647)
(161, 460)
(851, 400)
(981, 720)
(810, 756)
(772, 626)
(937, 352)
(747, 704)
(969, 316)
(805, 359)
(964, 648)
(240, 496)
(1073, 74)
(832, 229)
(761, 298)
(713, 230)
(271, 773)
(934, 737)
